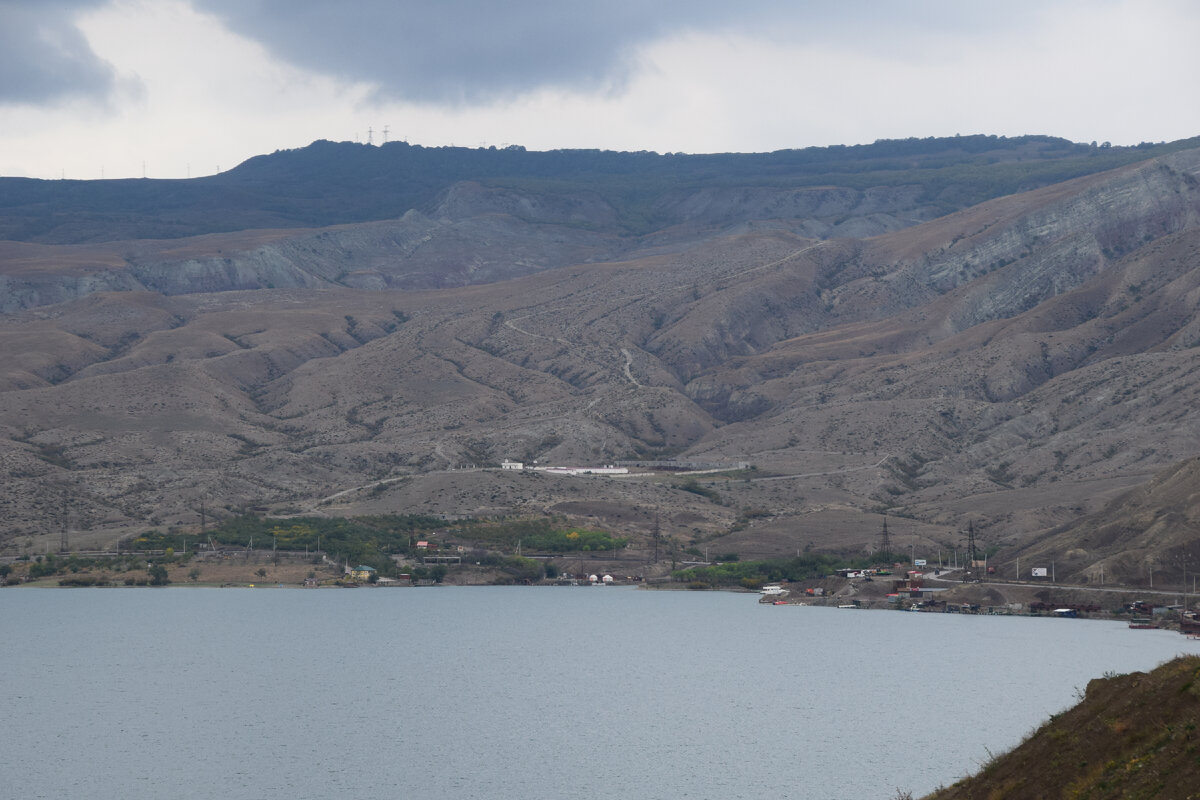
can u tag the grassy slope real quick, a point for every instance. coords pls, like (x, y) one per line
(1132, 736)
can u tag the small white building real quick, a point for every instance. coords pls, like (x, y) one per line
(506, 464)
(605, 470)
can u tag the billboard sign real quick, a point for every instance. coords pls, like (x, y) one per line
(1040, 572)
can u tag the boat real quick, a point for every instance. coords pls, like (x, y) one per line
(773, 590)
(1143, 623)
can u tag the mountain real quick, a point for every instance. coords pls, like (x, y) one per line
(1018, 362)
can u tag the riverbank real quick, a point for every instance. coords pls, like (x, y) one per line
(944, 592)
(947, 593)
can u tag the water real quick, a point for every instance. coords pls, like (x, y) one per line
(519, 693)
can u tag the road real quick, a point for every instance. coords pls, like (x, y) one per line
(946, 573)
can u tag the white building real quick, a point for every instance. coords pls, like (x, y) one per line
(506, 464)
(605, 470)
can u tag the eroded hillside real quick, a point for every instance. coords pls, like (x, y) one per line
(1017, 364)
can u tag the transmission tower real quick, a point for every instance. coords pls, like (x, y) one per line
(885, 538)
(64, 543)
(657, 536)
(971, 554)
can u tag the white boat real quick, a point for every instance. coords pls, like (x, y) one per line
(773, 590)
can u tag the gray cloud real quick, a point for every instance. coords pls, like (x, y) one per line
(462, 51)
(449, 52)
(456, 50)
(44, 57)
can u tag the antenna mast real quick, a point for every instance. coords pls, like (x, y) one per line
(885, 538)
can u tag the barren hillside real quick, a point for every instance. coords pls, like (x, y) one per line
(1018, 364)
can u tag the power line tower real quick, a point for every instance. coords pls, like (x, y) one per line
(64, 543)
(385, 134)
(885, 538)
(657, 536)
(972, 555)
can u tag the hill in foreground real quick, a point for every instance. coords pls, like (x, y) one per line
(1130, 736)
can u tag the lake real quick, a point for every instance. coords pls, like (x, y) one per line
(504, 692)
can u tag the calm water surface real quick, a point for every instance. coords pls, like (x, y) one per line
(519, 693)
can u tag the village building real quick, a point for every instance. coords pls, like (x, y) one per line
(362, 573)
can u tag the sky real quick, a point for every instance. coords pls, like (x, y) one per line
(184, 88)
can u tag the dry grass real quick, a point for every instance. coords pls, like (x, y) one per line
(1130, 736)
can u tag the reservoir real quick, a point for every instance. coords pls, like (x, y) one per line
(499, 692)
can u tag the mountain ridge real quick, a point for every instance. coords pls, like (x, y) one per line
(329, 183)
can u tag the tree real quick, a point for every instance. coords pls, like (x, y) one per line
(194, 573)
(262, 572)
(158, 575)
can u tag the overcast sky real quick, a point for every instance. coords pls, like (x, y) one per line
(178, 88)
